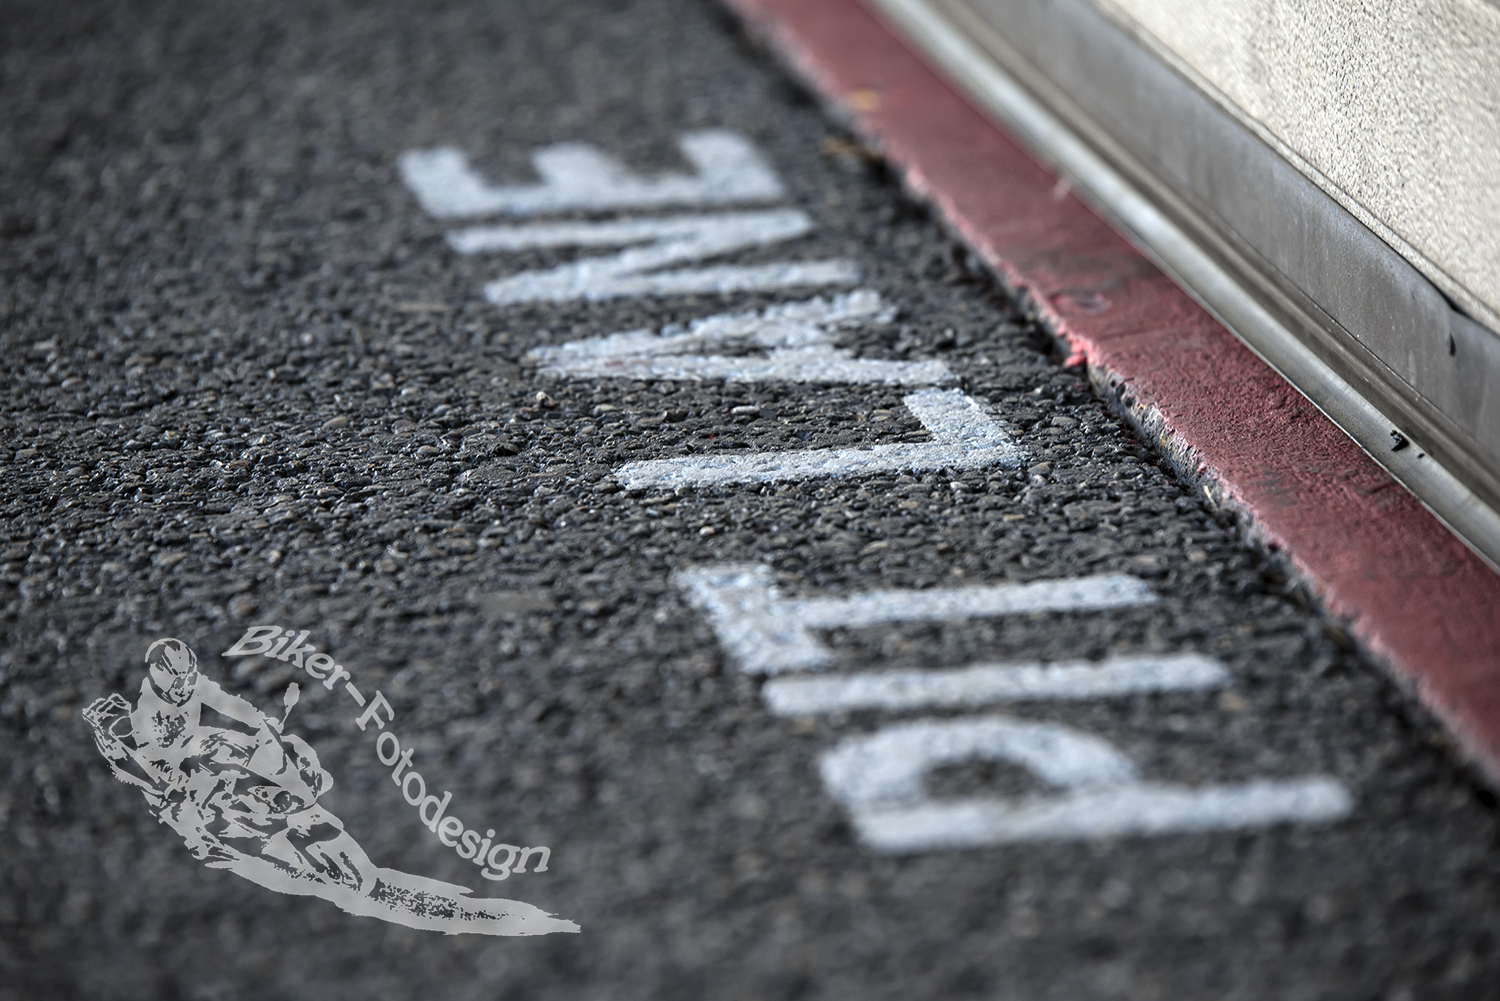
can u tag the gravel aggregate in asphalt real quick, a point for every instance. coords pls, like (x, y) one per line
(245, 381)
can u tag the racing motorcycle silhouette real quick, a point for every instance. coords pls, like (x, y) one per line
(243, 795)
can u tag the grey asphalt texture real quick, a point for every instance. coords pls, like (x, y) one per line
(245, 381)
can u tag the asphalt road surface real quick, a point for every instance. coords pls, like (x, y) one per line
(843, 646)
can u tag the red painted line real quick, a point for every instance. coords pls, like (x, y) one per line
(1413, 595)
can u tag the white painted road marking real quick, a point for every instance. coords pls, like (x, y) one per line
(880, 779)
(796, 337)
(669, 239)
(579, 176)
(769, 634)
(965, 437)
(987, 684)
(889, 768)
(732, 230)
(1148, 809)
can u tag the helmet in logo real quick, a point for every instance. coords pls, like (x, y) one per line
(174, 669)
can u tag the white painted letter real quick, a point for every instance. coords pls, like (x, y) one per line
(987, 684)
(578, 176)
(668, 240)
(964, 437)
(795, 336)
(769, 634)
(880, 779)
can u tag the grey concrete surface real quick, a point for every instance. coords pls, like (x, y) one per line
(1390, 110)
(247, 382)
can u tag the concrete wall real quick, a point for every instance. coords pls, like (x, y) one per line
(1392, 107)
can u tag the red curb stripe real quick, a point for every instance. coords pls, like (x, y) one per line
(1414, 595)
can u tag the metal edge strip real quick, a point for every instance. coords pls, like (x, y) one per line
(1153, 232)
(1342, 348)
(1431, 271)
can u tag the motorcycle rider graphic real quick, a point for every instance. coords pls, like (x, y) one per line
(225, 776)
(243, 795)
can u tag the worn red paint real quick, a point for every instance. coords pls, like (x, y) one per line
(1413, 595)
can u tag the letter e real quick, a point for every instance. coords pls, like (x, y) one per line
(317, 665)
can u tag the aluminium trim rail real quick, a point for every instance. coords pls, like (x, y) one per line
(979, 71)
